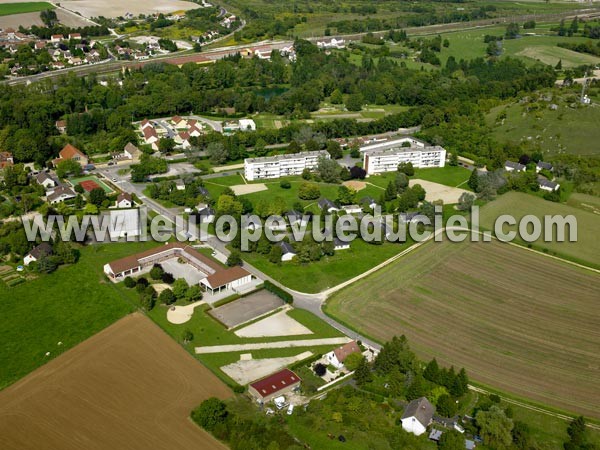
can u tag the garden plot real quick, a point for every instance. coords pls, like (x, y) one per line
(247, 370)
(279, 324)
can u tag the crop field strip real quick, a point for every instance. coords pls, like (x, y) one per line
(516, 320)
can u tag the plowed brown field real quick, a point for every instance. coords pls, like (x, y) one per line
(128, 387)
(516, 320)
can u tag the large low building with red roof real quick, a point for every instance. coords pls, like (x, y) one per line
(274, 385)
(217, 278)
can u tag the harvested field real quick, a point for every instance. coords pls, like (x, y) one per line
(247, 308)
(130, 386)
(356, 185)
(115, 8)
(242, 189)
(516, 320)
(437, 191)
(66, 18)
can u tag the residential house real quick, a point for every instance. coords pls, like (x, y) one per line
(247, 124)
(124, 200)
(541, 165)
(547, 185)
(287, 251)
(61, 125)
(417, 416)
(510, 166)
(179, 122)
(44, 179)
(124, 223)
(150, 137)
(274, 385)
(203, 192)
(145, 124)
(38, 252)
(282, 165)
(6, 159)
(296, 218)
(369, 202)
(352, 209)
(61, 194)
(75, 36)
(73, 153)
(183, 139)
(338, 244)
(180, 185)
(132, 152)
(56, 38)
(331, 43)
(337, 357)
(327, 206)
(206, 214)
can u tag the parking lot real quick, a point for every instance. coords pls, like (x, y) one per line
(246, 308)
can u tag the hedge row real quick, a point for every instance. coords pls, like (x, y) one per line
(283, 295)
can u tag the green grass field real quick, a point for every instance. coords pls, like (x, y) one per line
(566, 130)
(329, 271)
(8, 9)
(67, 306)
(504, 313)
(587, 248)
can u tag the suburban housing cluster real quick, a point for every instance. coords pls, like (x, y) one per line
(544, 183)
(177, 128)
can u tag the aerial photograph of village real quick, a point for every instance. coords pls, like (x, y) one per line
(307, 224)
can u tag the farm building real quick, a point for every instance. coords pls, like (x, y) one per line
(417, 416)
(274, 385)
(44, 249)
(337, 357)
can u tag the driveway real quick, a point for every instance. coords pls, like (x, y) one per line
(263, 345)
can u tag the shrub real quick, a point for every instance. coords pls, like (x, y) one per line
(129, 282)
(282, 294)
(320, 369)
(210, 413)
(156, 272)
(285, 184)
(167, 278)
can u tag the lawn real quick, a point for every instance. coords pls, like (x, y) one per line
(565, 130)
(8, 9)
(67, 306)
(329, 271)
(587, 248)
(505, 314)
(452, 176)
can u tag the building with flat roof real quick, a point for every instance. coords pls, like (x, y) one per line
(386, 156)
(282, 165)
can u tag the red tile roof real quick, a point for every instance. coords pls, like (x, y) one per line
(275, 382)
(222, 277)
(345, 350)
(69, 151)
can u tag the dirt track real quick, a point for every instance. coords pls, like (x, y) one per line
(128, 387)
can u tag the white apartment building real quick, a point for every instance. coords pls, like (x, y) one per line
(282, 165)
(386, 156)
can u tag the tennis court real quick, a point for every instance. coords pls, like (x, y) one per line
(90, 182)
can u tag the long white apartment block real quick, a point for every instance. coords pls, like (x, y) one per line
(281, 165)
(386, 156)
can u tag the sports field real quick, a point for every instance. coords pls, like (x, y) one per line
(516, 320)
(128, 387)
(587, 248)
(90, 182)
(7, 9)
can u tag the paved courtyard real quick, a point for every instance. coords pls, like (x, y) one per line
(179, 270)
(246, 308)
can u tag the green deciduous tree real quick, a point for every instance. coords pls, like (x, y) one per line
(495, 427)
